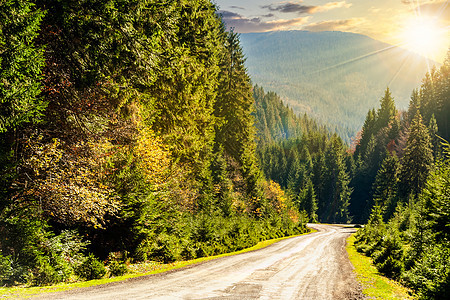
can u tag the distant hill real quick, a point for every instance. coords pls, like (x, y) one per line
(333, 76)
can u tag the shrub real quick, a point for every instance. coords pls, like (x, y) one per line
(45, 273)
(430, 276)
(91, 268)
(5, 268)
(117, 268)
(389, 259)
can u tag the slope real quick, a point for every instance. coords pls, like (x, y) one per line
(333, 76)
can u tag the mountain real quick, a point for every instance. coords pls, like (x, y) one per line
(333, 76)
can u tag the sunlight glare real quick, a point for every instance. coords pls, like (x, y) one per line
(424, 37)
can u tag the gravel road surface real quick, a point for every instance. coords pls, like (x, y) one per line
(313, 266)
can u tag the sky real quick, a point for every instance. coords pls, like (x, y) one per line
(419, 25)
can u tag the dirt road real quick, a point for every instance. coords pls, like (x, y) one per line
(313, 266)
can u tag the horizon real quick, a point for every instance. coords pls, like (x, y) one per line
(422, 27)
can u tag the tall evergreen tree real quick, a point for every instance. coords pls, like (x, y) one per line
(385, 187)
(367, 131)
(21, 64)
(387, 111)
(417, 159)
(233, 108)
(414, 105)
(308, 200)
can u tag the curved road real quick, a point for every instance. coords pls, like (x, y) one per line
(313, 266)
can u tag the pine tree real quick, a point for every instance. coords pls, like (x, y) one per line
(387, 111)
(386, 185)
(428, 95)
(21, 64)
(233, 108)
(435, 140)
(417, 159)
(414, 105)
(368, 130)
(336, 188)
(308, 201)
(443, 96)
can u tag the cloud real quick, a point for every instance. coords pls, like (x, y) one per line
(243, 25)
(299, 8)
(437, 9)
(236, 7)
(334, 25)
(374, 10)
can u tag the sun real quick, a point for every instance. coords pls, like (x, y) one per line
(423, 36)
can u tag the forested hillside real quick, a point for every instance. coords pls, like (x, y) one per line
(125, 132)
(310, 163)
(276, 122)
(395, 177)
(335, 77)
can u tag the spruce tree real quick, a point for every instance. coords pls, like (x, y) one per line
(21, 64)
(385, 187)
(417, 159)
(414, 105)
(367, 131)
(387, 111)
(308, 200)
(233, 109)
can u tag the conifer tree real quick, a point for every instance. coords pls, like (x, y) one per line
(435, 140)
(21, 64)
(385, 187)
(417, 159)
(443, 96)
(308, 201)
(414, 105)
(233, 108)
(387, 111)
(428, 95)
(368, 130)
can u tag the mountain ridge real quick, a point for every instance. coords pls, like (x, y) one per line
(333, 76)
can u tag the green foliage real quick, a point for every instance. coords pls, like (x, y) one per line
(417, 159)
(21, 64)
(430, 276)
(5, 268)
(117, 268)
(385, 186)
(413, 246)
(91, 268)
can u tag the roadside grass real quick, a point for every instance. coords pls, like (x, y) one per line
(375, 286)
(137, 270)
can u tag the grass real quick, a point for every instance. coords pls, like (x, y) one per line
(139, 270)
(375, 285)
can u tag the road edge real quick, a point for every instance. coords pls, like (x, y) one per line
(31, 292)
(374, 285)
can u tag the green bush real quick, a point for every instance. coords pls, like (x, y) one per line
(389, 259)
(430, 276)
(5, 268)
(44, 273)
(91, 268)
(117, 268)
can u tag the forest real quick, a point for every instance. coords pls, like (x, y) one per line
(126, 135)
(130, 132)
